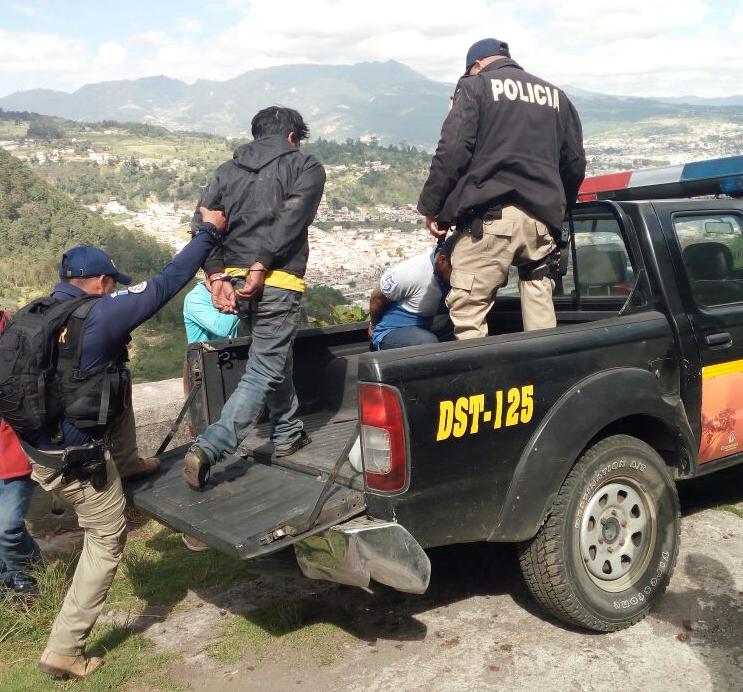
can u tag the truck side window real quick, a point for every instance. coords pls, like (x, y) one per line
(604, 265)
(712, 250)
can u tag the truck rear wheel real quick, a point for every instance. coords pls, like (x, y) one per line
(608, 548)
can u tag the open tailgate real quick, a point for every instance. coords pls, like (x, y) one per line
(247, 509)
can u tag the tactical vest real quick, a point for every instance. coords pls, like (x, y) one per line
(93, 397)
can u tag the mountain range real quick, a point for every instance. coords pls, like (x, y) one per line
(386, 100)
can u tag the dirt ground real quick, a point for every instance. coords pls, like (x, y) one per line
(477, 628)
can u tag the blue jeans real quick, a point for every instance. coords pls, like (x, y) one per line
(18, 550)
(267, 380)
(407, 336)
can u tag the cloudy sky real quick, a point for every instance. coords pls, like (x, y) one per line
(638, 47)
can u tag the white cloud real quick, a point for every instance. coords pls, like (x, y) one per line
(618, 20)
(110, 55)
(641, 47)
(34, 51)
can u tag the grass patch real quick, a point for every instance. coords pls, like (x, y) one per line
(296, 625)
(156, 570)
(733, 509)
(28, 625)
(130, 658)
(157, 354)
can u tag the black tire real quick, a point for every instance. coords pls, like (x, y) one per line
(569, 566)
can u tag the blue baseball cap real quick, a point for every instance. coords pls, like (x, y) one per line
(484, 49)
(87, 260)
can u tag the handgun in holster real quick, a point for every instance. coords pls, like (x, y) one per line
(83, 463)
(555, 265)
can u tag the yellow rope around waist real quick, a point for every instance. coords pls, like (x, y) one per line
(275, 277)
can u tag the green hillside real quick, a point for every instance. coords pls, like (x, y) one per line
(38, 222)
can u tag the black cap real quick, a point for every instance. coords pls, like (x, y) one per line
(484, 49)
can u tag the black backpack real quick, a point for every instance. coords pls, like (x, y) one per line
(31, 397)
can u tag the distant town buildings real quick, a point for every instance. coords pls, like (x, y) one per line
(349, 248)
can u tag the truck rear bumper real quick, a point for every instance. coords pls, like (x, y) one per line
(362, 549)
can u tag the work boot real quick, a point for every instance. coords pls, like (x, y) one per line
(302, 440)
(194, 544)
(196, 468)
(60, 666)
(140, 469)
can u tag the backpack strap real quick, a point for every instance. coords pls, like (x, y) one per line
(80, 316)
(109, 374)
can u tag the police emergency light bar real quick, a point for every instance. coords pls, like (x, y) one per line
(713, 177)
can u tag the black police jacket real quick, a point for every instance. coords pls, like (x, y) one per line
(269, 192)
(509, 138)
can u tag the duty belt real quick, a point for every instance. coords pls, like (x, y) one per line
(472, 222)
(78, 462)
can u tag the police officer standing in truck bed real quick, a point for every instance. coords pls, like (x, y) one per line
(509, 162)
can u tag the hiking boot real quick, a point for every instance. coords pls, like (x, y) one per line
(194, 544)
(60, 666)
(140, 469)
(302, 440)
(196, 467)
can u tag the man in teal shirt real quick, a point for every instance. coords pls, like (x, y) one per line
(203, 321)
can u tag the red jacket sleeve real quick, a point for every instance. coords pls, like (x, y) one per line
(13, 461)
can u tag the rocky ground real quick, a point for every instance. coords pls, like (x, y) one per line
(477, 628)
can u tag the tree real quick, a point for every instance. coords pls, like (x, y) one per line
(43, 129)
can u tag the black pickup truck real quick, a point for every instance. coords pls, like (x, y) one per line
(568, 442)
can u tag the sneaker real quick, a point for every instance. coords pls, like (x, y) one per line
(140, 469)
(60, 666)
(193, 543)
(301, 441)
(196, 468)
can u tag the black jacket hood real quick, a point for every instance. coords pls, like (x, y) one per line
(260, 152)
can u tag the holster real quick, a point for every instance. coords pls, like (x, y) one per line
(560, 235)
(553, 266)
(83, 463)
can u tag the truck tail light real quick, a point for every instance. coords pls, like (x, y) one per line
(383, 438)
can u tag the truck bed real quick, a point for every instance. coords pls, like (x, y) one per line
(330, 435)
(247, 509)
(254, 504)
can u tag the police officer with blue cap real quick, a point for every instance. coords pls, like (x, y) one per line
(97, 420)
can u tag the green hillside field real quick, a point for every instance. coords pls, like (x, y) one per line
(37, 223)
